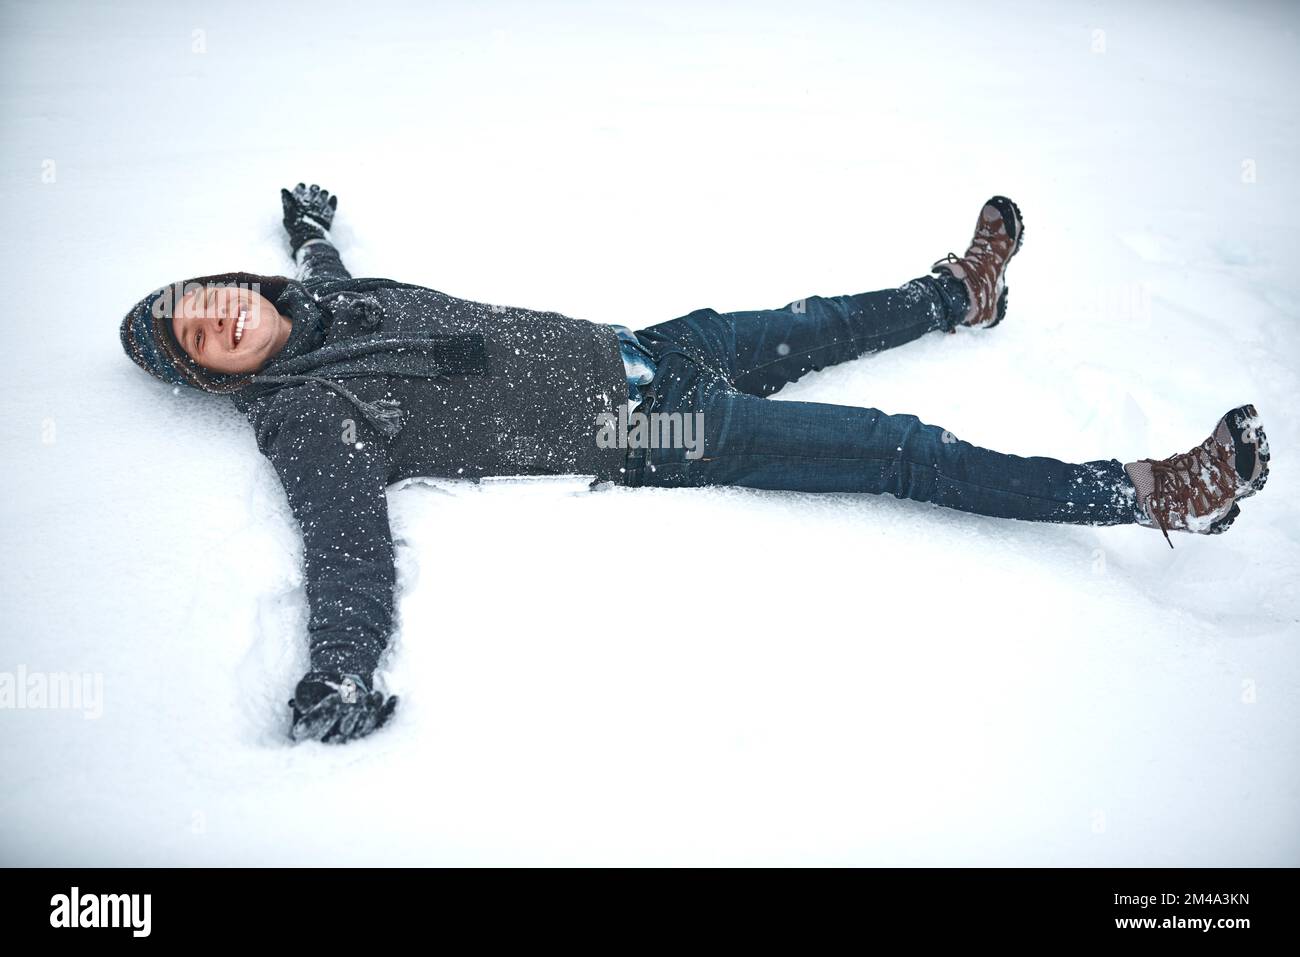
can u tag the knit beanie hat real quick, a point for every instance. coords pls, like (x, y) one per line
(149, 340)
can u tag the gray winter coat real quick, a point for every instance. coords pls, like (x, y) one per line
(533, 408)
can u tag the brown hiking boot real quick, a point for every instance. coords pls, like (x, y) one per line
(983, 269)
(1198, 491)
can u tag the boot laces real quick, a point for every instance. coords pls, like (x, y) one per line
(980, 258)
(1190, 483)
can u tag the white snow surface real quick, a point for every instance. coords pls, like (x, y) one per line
(761, 678)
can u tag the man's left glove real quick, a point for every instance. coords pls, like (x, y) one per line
(308, 213)
(337, 708)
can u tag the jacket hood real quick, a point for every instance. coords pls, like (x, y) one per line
(148, 339)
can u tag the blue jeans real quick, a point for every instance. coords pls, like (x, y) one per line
(723, 364)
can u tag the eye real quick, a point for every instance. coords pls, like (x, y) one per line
(198, 341)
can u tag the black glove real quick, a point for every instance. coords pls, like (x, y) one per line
(337, 708)
(308, 213)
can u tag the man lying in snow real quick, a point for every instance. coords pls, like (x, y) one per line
(354, 384)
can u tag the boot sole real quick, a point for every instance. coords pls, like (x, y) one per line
(1223, 524)
(1249, 449)
(1246, 451)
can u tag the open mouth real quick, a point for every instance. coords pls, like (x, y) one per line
(239, 326)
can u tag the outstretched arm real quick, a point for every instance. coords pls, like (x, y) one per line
(308, 215)
(334, 471)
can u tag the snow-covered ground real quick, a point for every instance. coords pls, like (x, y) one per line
(772, 678)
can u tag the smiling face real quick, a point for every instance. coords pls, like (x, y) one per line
(228, 328)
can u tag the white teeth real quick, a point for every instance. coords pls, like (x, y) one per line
(239, 325)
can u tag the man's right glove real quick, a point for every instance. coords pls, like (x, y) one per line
(308, 213)
(337, 708)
